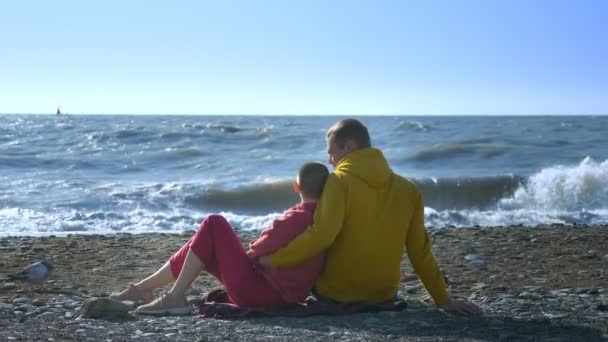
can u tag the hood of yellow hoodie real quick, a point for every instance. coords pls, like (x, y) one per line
(367, 164)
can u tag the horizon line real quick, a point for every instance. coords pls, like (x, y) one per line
(309, 114)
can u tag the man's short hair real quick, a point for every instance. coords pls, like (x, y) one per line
(344, 130)
(312, 177)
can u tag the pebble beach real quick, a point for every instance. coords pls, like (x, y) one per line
(545, 283)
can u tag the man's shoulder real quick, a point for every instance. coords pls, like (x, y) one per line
(337, 178)
(405, 184)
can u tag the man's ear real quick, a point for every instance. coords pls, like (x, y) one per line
(350, 146)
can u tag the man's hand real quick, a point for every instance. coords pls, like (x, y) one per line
(460, 306)
(265, 261)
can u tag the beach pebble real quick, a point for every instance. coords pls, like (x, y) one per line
(8, 286)
(104, 308)
(478, 286)
(194, 292)
(38, 302)
(592, 254)
(555, 315)
(22, 300)
(475, 260)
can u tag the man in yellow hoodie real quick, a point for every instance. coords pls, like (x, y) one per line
(365, 219)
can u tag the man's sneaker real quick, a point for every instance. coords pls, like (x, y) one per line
(133, 293)
(166, 304)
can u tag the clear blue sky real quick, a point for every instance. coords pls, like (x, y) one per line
(304, 57)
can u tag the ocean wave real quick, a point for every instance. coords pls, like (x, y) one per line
(442, 151)
(260, 198)
(414, 125)
(127, 133)
(224, 128)
(467, 192)
(456, 150)
(575, 188)
(277, 195)
(564, 188)
(188, 151)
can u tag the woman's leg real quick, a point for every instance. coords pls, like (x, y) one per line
(190, 270)
(222, 254)
(167, 273)
(217, 249)
(160, 278)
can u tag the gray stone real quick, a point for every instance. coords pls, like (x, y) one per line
(194, 292)
(555, 315)
(528, 295)
(6, 306)
(475, 260)
(22, 300)
(8, 286)
(104, 308)
(478, 286)
(38, 302)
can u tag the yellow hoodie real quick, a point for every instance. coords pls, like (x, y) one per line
(367, 215)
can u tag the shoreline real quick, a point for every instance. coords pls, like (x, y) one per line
(532, 283)
(254, 232)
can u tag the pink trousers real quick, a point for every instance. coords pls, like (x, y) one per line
(219, 249)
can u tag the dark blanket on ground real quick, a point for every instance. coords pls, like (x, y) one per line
(217, 305)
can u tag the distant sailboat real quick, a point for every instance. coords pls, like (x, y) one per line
(58, 111)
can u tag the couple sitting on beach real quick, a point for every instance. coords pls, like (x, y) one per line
(343, 241)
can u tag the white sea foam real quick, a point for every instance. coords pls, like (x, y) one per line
(557, 194)
(16, 221)
(564, 188)
(526, 217)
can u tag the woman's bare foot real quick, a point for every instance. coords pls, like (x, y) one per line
(134, 293)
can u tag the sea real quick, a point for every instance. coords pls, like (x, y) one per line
(100, 174)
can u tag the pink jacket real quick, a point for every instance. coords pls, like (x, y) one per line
(293, 283)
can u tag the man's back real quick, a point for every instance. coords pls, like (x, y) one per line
(365, 217)
(363, 262)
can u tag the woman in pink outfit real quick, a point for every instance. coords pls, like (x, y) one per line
(216, 249)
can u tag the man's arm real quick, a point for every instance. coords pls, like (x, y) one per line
(418, 246)
(421, 257)
(328, 221)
